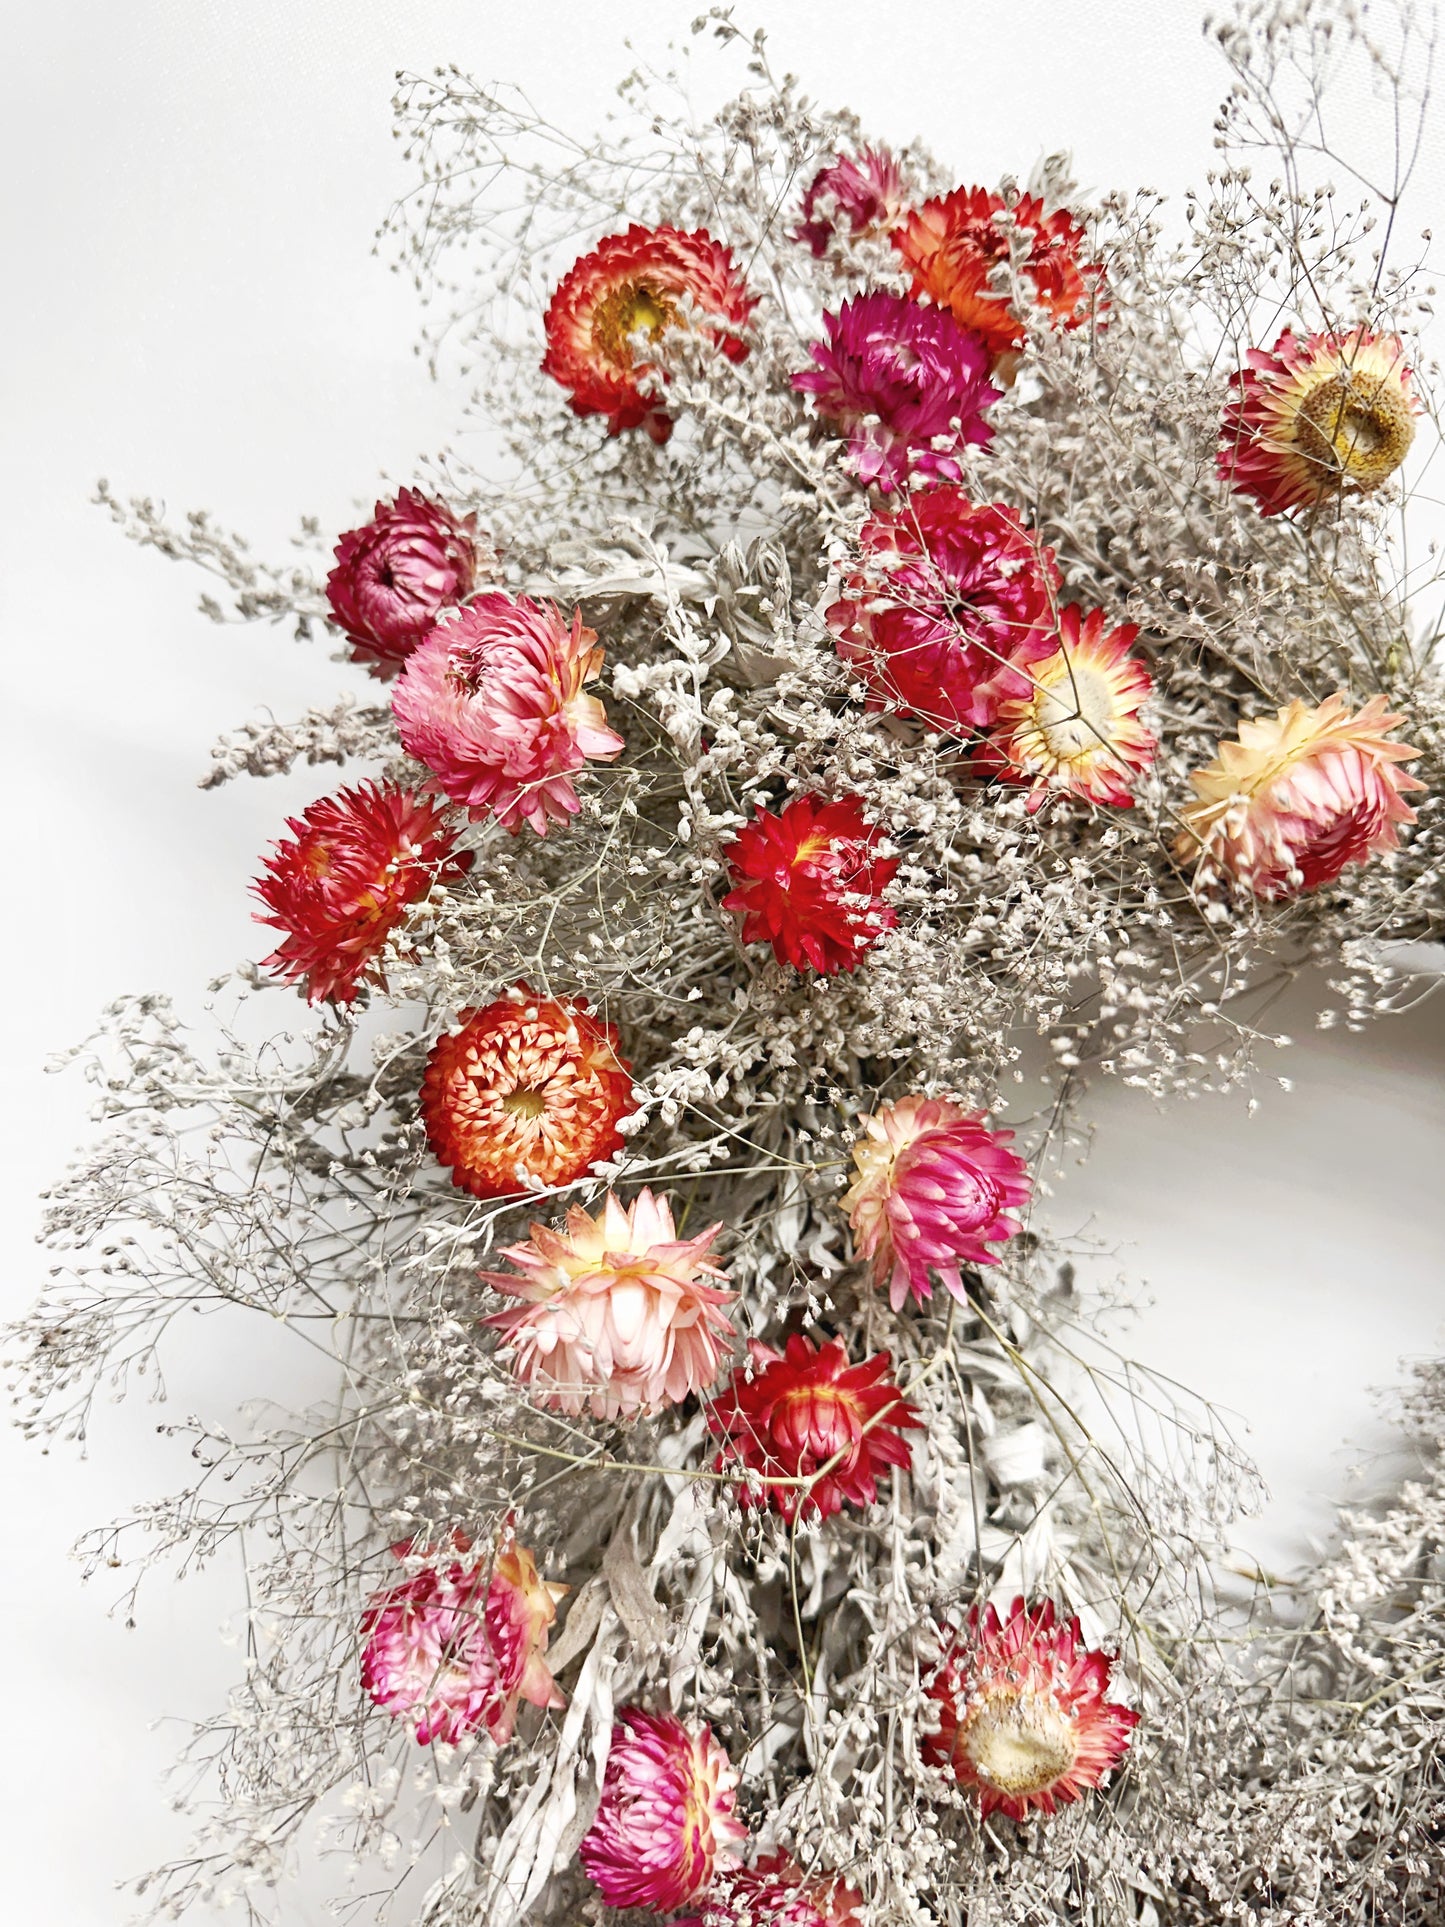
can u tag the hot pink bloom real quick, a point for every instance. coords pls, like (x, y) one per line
(1023, 1714)
(457, 1646)
(908, 386)
(935, 1188)
(863, 191)
(394, 577)
(616, 1318)
(776, 1893)
(666, 1820)
(493, 704)
(1301, 795)
(950, 603)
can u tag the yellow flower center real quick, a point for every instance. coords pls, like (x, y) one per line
(1073, 717)
(1020, 1742)
(634, 307)
(1359, 431)
(525, 1103)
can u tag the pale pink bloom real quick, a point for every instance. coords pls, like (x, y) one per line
(666, 1821)
(935, 1188)
(459, 1644)
(493, 703)
(616, 1318)
(862, 192)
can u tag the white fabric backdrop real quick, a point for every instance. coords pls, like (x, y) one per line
(192, 310)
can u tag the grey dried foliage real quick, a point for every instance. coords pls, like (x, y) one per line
(1287, 1766)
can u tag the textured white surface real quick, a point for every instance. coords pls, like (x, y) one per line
(191, 309)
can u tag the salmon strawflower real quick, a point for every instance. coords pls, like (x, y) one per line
(855, 194)
(776, 1892)
(799, 1411)
(456, 1647)
(525, 1095)
(935, 1188)
(1078, 730)
(626, 294)
(807, 881)
(346, 877)
(396, 576)
(618, 1314)
(666, 1823)
(1300, 796)
(1024, 1713)
(494, 703)
(1311, 420)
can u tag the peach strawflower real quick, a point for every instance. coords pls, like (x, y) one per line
(345, 879)
(525, 1095)
(954, 246)
(617, 1315)
(1023, 1710)
(858, 193)
(493, 703)
(631, 285)
(1316, 418)
(935, 1187)
(457, 1646)
(776, 1892)
(1300, 796)
(666, 1822)
(807, 881)
(396, 575)
(1078, 729)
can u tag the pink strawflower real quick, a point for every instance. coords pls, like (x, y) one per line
(616, 1317)
(492, 702)
(459, 1644)
(666, 1820)
(776, 1893)
(949, 604)
(907, 385)
(935, 1187)
(394, 577)
(862, 192)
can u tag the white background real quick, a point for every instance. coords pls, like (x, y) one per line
(190, 307)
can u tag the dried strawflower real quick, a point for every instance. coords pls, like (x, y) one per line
(666, 1821)
(935, 1187)
(860, 193)
(1023, 1712)
(345, 878)
(632, 286)
(808, 881)
(493, 703)
(775, 1892)
(526, 1094)
(395, 576)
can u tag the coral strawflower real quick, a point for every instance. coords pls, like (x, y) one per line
(494, 703)
(808, 882)
(955, 248)
(1301, 795)
(1316, 418)
(799, 1411)
(635, 285)
(1025, 1717)
(455, 1647)
(395, 576)
(343, 882)
(1078, 729)
(617, 1314)
(856, 193)
(666, 1822)
(950, 604)
(906, 384)
(935, 1187)
(776, 1892)
(526, 1094)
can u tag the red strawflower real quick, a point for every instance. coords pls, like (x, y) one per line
(807, 882)
(395, 576)
(359, 859)
(527, 1094)
(634, 284)
(1024, 1717)
(954, 246)
(776, 1892)
(801, 1409)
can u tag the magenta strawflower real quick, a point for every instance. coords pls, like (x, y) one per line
(862, 193)
(776, 1893)
(907, 385)
(395, 576)
(666, 1820)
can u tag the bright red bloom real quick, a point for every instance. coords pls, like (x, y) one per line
(954, 246)
(526, 1094)
(949, 604)
(776, 1893)
(1024, 1717)
(666, 1820)
(634, 284)
(807, 882)
(801, 1409)
(863, 191)
(395, 576)
(358, 861)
